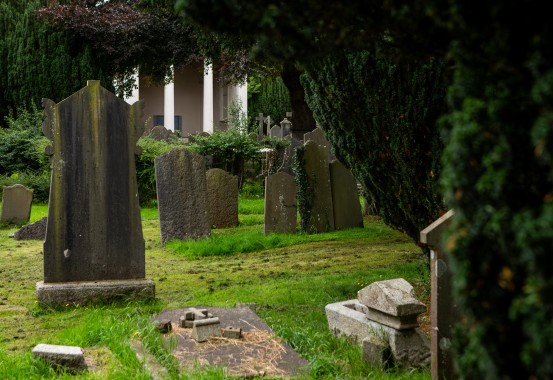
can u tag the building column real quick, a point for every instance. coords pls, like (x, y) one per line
(169, 106)
(242, 94)
(208, 100)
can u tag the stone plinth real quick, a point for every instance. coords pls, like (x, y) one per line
(81, 293)
(70, 358)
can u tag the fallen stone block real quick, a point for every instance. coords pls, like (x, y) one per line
(69, 357)
(232, 332)
(204, 329)
(164, 325)
(377, 352)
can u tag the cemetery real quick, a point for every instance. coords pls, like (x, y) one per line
(205, 189)
(92, 254)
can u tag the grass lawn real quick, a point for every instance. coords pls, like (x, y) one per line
(290, 277)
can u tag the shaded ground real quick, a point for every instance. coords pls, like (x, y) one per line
(258, 352)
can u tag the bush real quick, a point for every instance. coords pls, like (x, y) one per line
(145, 169)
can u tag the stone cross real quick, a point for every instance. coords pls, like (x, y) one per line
(94, 233)
(443, 312)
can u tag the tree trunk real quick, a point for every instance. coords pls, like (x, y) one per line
(302, 116)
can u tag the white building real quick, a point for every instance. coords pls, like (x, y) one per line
(194, 102)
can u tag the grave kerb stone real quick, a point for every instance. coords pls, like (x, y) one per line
(68, 357)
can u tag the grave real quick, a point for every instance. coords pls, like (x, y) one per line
(444, 312)
(345, 197)
(383, 320)
(315, 196)
(222, 198)
(280, 214)
(181, 195)
(94, 247)
(258, 352)
(16, 204)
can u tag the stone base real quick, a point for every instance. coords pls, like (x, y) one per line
(81, 293)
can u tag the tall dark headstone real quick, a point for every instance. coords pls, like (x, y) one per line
(281, 208)
(182, 195)
(345, 197)
(94, 248)
(222, 198)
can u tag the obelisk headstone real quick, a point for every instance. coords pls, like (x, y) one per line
(94, 248)
(182, 195)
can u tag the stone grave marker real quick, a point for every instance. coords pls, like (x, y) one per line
(289, 154)
(318, 136)
(222, 198)
(280, 204)
(94, 247)
(182, 195)
(443, 312)
(16, 204)
(276, 131)
(315, 196)
(160, 133)
(345, 197)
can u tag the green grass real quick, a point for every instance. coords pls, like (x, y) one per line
(290, 277)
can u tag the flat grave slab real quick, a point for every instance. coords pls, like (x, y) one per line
(258, 352)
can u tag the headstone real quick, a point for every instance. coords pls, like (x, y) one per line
(33, 231)
(260, 130)
(286, 126)
(94, 232)
(318, 136)
(345, 197)
(222, 198)
(280, 204)
(289, 154)
(16, 204)
(444, 312)
(70, 358)
(181, 195)
(315, 196)
(160, 133)
(276, 131)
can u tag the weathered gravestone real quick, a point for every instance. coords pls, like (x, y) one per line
(345, 197)
(160, 133)
(289, 154)
(276, 131)
(314, 191)
(182, 195)
(222, 198)
(16, 204)
(318, 136)
(280, 204)
(94, 248)
(444, 312)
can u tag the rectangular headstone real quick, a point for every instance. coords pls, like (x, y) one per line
(16, 204)
(276, 131)
(182, 195)
(314, 192)
(345, 197)
(222, 198)
(280, 204)
(94, 230)
(318, 136)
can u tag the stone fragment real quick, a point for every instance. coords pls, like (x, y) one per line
(163, 325)
(182, 321)
(68, 357)
(377, 352)
(204, 329)
(231, 332)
